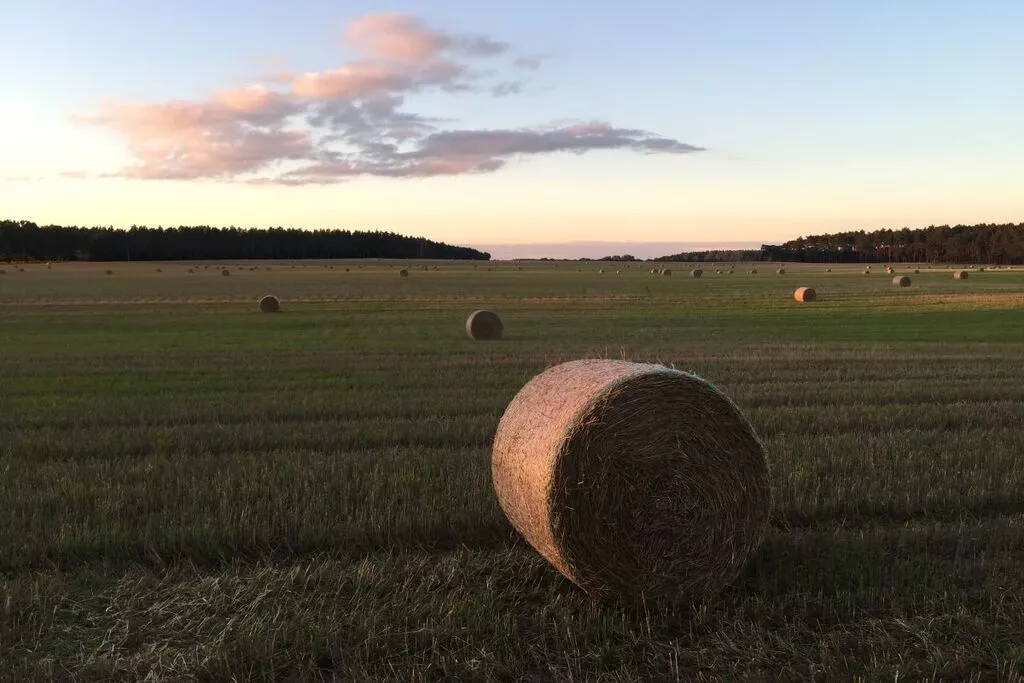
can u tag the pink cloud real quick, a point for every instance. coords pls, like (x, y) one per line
(334, 124)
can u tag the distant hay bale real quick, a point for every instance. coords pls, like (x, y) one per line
(901, 281)
(867, 271)
(805, 295)
(191, 272)
(403, 273)
(653, 271)
(483, 325)
(269, 304)
(618, 272)
(666, 273)
(960, 275)
(981, 270)
(159, 270)
(225, 272)
(753, 271)
(781, 271)
(3, 272)
(916, 271)
(696, 272)
(889, 271)
(730, 272)
(109, 271)
(633, 480)
(828, 270)
(600, 271)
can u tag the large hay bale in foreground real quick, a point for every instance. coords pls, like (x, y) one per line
(484, 324)
(696, 272)
(805, 295)
(269, 304)
(632, 479)
(960, 275)
(901, 281)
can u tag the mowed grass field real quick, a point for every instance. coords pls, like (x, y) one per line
(192, 490)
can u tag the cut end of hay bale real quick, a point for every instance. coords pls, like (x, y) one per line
(269, 304)
(901, 281)
(484, 325)
(805, 295)
(633, 480)
(960, 275)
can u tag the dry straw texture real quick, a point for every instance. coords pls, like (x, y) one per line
(805, 295)
(632, 479)
(484, 325)
(696, 272)
(960, 275)
(270, 304)
(901, 281)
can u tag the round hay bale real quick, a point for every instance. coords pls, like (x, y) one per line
(600, 271)
(109, 271)
(867, 271)
(403, 273)
(828, 270)
(618, 272)
(653, 271)
(730, 271)
(805, 295)
(696, 272)
(781, 271)
(159, 270)
(981, 270)
(960, 275)
(916, 271)
(191, 272)
(632, 479)
(482, 325)
(3, 272)
(718, 271)
(269, 304)
(753, 271)
(666, 273)
(901, 281)
(225, 272)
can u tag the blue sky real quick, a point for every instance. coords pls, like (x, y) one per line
(809, 116)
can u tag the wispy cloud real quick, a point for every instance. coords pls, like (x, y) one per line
(331, 125)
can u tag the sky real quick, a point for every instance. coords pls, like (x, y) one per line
(526, 123)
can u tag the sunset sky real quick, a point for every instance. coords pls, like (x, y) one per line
(490, 123)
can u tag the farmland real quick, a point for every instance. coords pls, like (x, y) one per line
(192, 489)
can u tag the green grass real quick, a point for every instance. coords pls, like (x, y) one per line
(193, 490)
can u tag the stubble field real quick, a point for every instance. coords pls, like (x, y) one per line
(195, 490)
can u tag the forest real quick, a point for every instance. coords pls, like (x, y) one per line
(26, 241)
(984, 243)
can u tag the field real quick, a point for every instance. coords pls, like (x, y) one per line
(195, 490)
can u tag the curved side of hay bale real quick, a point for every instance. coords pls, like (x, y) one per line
(632, 479)
(270, 304)
(805, 295)
(960, 275)
(403, 273)
(901, 281)
(484, 324)
(696, 272)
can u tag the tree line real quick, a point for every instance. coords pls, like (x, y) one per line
(984, 243)
(26, 241)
